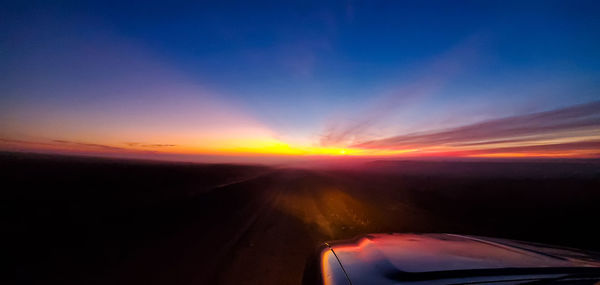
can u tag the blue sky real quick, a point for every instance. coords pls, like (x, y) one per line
(302, 70)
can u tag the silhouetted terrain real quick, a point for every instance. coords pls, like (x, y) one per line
(98, 221)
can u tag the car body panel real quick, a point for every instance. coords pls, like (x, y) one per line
(402, 258)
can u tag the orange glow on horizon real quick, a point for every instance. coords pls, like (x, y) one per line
(270, 147)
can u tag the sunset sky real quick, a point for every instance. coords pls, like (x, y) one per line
(250, 81)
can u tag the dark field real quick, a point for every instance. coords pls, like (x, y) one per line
(98, 221)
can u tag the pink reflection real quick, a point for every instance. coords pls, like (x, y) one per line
(377, 255)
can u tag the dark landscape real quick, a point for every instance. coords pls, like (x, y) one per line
(74, 220)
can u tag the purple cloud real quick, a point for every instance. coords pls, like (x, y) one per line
(566, 123)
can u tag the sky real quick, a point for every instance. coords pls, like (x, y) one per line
(254, 81)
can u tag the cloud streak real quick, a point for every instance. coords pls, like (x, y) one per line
(575, 127)
(76, 146)
(156, 145)
(90, 145)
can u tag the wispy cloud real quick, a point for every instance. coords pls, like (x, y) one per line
(157, 145)
(575, 127)
(592, 147)
(23, 142)
(90, 145)
(76, 146)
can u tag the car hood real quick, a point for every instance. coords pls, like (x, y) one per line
(380, 258)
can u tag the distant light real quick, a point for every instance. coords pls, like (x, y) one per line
(343, 151)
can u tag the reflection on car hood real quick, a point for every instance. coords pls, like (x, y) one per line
(378, 258)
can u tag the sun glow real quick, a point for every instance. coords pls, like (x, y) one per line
(281, 148)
